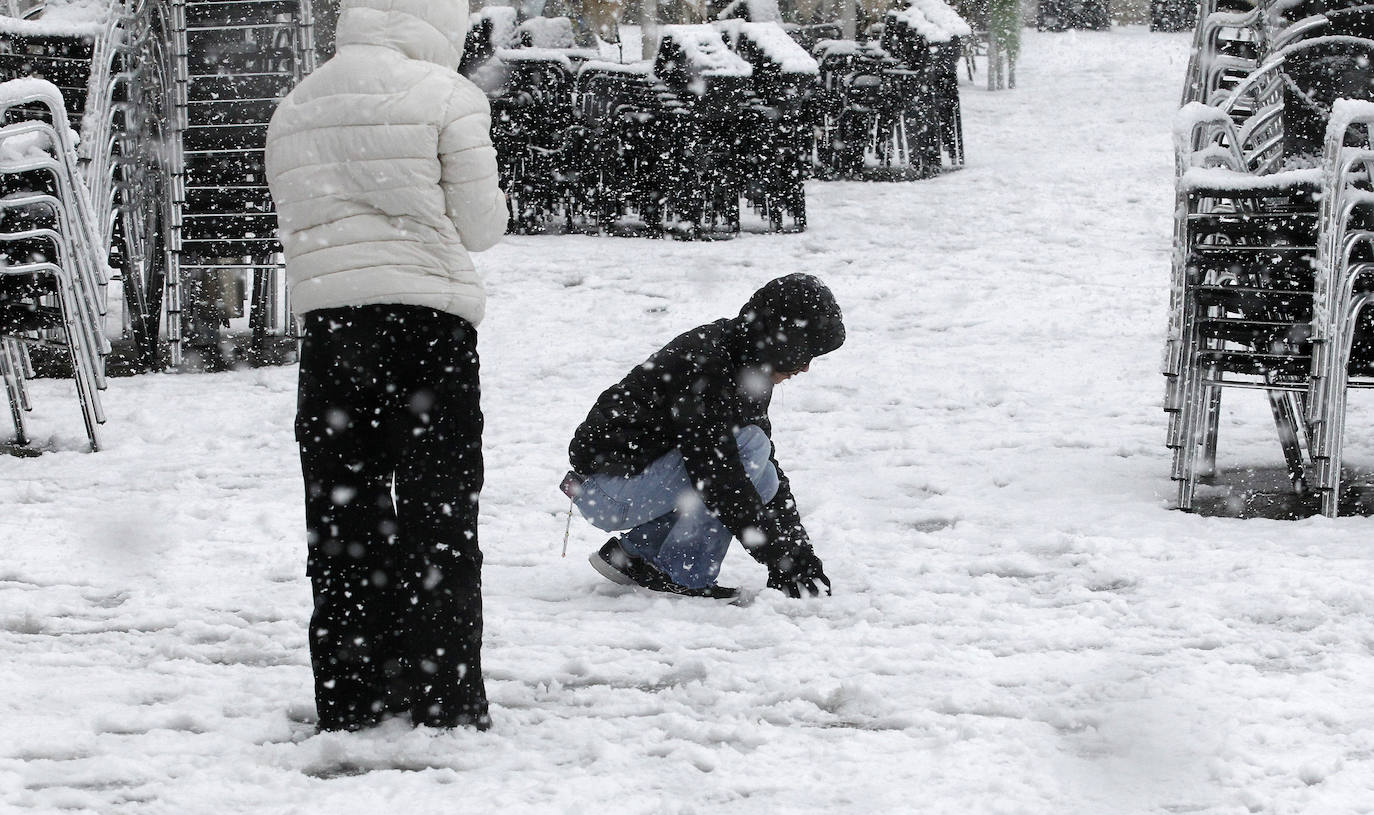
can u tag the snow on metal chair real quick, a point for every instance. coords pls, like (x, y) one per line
(530, 119)
(926, 37)
(47, 237)
(52, 156)
(1244, 242)
(1228, 45)
(776, 156)
(1344, 287)
(889, 109)
(860, 130)
(625, 134)
(713, 84)
(114, 79)
(1257, 238)
(125, 131)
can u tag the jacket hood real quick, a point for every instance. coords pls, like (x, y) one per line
(429, 30)
(789, 322)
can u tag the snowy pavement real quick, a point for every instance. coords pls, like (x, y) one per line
(1019, 625)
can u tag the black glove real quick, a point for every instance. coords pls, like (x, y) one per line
(796, 572)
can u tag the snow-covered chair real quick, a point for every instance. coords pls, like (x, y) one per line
(721, 114)
(52, 254)
(889, 108)
(1343, 290)
(1269, 248)
(531, 116)
(625, 133)
(862, 131)
(1228, 44)
(712, 85)
(112, 63)
(926, 37)
(776, 154)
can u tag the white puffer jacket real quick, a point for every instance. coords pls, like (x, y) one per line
(382, 169)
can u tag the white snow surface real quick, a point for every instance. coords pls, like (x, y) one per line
(62, 18)
(933, 19)
(706, 50)
(771, 39)
(503, 22)
(547, 32)
(1020, 624)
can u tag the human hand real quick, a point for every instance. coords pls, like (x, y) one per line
(797, 572)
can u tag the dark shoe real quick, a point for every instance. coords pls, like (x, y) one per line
(711, 592)
(347, 725)
(619, 566)
(481, 723)
(445, 717)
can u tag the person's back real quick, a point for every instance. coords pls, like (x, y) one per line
(381, 166)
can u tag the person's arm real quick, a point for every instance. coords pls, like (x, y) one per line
(473, 199)
(772, 534)
(793, 567)
(704, 434)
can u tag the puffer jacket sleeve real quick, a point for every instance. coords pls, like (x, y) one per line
(473, 199)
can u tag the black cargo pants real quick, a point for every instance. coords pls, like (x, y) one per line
(390, 431)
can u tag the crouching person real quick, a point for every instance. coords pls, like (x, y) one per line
(679, 451)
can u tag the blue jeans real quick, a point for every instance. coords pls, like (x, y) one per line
(668, 524)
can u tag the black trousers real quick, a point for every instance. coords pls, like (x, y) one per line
(390, 431)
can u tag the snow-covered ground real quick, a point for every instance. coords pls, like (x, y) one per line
(1019, 624)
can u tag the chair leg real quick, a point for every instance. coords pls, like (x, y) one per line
(27, 360)
(12, 374)
(1335, 421)
(1319, 443)
(1335, 401)
(22, 368)
(1298, 404)
(1286, 422)
(86, 390)
(1211, 429)
(1195, 398)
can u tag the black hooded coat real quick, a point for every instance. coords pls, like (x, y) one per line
(696, 392)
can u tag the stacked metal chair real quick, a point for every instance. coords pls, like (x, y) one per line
(620, 145)
(113, 77)
(1272, 245)
(130, 169)
(530, 120)
(675, 145)
(53, 275)
(716, 108)
(927, 39)
(1228, 42)
(860, 130)
(173, 97)
(1343, 290)
(1062, 15)
(775, 157)
(889, 109)
(232, 61)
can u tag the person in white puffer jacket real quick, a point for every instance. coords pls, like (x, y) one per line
(384, 178)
